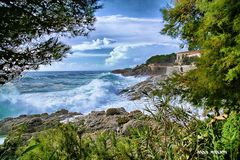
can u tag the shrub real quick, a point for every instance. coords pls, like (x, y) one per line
(168, 58)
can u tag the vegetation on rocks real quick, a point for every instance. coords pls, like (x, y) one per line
(165, 59)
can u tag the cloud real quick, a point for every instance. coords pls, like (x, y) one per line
(80, 55)
(94, 44)
(131, 29)
(117, 42)
(121, 52)
(133, 54)
(121, 19)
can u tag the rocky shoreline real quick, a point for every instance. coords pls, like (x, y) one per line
(113, 119)
(156, 74)
(143, 88)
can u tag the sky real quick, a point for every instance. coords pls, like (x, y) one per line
(127, 34)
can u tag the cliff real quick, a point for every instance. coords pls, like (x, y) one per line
(145, 70)
(155, 65)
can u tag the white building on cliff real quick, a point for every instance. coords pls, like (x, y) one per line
(188, 54)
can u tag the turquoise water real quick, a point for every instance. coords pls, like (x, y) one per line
(38, 92)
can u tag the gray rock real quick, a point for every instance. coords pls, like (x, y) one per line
(115, 111)
(142, 89)
(61, 112)
(35, 122)
(97, 113)
(114, 119)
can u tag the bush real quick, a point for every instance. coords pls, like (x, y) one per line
(168, 58)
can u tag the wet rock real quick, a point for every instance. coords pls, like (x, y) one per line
(22, 116)
(97, 113)
(61, 112)
(115, 111)
(143, 89)
(75, 113)
(126, 71)
(33, 123)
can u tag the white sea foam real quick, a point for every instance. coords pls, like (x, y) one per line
(2, 138)
(99, 94)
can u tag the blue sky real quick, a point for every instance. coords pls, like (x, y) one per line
(127, 33)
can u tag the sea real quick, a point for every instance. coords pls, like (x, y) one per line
(76, 91)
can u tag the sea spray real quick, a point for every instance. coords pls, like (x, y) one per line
(83, 92)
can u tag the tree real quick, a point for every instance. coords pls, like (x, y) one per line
(169, 58)
(213, 27)
(30, 31)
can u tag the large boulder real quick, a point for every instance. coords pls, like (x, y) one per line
(61, 112)
(115, 111)
(93, 122)
(123, 119)
(33, 124)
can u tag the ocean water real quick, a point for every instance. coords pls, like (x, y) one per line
(40, 92)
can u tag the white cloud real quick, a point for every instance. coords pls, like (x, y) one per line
(132, 41)
(133, 54)
(129, 29)
(120, 18)
(121, 52)
(94, 44)
(80, 55)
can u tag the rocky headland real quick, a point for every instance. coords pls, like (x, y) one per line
(155, 73)
(157, 68)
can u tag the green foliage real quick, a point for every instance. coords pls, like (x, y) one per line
(231, 135)
(212, 27)
(52, 144)
(13, 141)
(168, 58)
(183, 20)
(29, 32)
(190, 136)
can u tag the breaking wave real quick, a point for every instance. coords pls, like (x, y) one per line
(98, 93)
